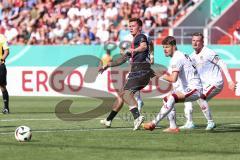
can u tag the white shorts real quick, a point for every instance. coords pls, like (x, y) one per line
(190, 94)
(209, 91)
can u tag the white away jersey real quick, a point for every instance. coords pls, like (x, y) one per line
(188, 76)
(207, 67)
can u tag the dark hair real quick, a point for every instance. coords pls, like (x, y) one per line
(139, 22)
(198, 34)
(169, 40)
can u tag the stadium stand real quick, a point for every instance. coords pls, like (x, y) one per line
(54, 22)
(226, 24)
(225, 39)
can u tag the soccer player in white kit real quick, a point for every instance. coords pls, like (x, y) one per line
(209, 67)
(182, 68)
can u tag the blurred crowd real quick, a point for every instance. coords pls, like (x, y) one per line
(236, 35)
(54, 22)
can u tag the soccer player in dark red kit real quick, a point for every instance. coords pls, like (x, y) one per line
(140, 73)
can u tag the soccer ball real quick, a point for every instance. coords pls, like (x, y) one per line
(23, 134)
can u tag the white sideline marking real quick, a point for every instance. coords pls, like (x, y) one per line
(234, 124)
(56, 119)
(39, 119)
(91, 129)
(12, 120)
(72, 130)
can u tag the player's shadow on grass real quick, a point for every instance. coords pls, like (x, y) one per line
(200, 128)
(227, 127)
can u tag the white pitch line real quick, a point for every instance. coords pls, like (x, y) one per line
(12, 120)
(38, 119)
(90, 129)
(72, 130)
(56, 119)
(235, 124)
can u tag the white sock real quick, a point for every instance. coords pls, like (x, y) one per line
(137, 95)
(139, 100)
(172, 118)
(205, 109)
(188, 110)
(164, 110)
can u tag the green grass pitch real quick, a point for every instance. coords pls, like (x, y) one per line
(56, 139)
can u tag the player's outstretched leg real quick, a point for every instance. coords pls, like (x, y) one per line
(164, 111)
(128, 97)
(115, 109)
(172, 121)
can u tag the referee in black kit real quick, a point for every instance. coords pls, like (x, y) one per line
(4, 52)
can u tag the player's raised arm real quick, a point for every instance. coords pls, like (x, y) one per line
(114, 63)
(118, 61)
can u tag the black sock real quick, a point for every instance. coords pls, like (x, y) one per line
(111, 115)
(135, 113)
(5, 98)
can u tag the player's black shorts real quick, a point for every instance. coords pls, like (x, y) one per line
(137, 80)
(3, 75)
